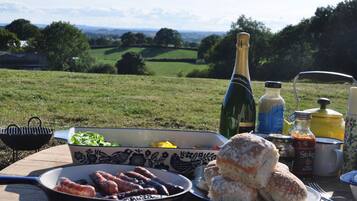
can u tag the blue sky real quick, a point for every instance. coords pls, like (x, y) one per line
(205, 15)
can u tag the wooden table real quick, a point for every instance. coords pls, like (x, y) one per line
(42, 161)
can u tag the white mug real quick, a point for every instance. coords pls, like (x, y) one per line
(328, 158)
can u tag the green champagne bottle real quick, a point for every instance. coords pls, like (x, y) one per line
(238, 107)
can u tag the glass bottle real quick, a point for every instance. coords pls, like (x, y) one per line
(271, 109)
(238, 107)
(304, 145)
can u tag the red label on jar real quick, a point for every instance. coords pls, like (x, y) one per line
(304, 156)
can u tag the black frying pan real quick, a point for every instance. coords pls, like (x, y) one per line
(48, 180)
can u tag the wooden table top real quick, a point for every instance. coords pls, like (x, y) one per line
(36, 164)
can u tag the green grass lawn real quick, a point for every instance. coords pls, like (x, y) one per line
(112, 55)
(63, 99)
(172, 69)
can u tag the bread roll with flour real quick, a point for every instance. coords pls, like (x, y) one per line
(226, 190)
(284, 186)
(210, 171)
(249, 159)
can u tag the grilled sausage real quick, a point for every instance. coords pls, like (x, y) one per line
(108, 187)
(126, 178)
(136, 192)
(123, 185)
(172, 188)
(161, 189)
(65, 185)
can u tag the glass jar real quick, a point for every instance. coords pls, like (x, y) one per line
(284, 143)
(304, 145)
(271, 109)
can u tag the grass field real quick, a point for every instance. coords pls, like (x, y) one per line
(112, 55)
(64, 99)
(172, 69)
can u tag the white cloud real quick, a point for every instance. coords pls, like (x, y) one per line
(179, 14)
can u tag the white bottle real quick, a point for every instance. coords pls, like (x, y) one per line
(350, 144)
(271, 109)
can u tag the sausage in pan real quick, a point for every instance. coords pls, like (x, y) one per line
(123, 185)
(108, 187)
(67, 186)
(161, 189)
(173, 189)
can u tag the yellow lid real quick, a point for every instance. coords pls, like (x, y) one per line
(323, 112)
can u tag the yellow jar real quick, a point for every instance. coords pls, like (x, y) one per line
(326, 122)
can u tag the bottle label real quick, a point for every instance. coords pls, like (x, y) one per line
(271, 121)
(304, 157)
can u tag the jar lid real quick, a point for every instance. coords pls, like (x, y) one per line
(302, 115)
(279, 137)
(324, 140)
(273, 84)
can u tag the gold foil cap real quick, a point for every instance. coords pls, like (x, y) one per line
(243, 39)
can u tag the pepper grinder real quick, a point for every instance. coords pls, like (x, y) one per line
(350, 141)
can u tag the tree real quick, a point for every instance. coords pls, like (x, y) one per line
(140, 38)
(131, 63)
(206, 44)
(336, 33)
(166, 37)
(149, 40)
(65, 46)
(23, 29)
(128, 39)
(222, 55)
(8, 40)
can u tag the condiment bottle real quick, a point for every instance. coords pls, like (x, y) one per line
(350, 143)
(271, 109)
(304, 145)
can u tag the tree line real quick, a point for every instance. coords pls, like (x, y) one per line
(325, 41)
(67, 48)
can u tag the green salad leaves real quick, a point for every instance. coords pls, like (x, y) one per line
(90, 139)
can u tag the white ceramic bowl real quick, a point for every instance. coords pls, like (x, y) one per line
(351, 179)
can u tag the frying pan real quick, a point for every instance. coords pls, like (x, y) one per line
(48, 180)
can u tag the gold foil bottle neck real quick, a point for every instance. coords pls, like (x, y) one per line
(243, 39)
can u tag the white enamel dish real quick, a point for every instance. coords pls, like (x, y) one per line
(195, 148)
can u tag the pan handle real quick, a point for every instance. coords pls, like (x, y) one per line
(4, 180)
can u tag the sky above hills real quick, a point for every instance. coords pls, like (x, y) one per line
(199, 15)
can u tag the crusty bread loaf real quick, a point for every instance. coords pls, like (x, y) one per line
(226, 190)
(249, 159)
(210, 171)
(281, 167)
(284, 186)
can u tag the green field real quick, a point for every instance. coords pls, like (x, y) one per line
(172, 69)
(63, 99)
(112, 55)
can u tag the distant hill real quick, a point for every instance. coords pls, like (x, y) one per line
(187, 35)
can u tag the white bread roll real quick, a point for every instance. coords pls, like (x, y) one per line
(284, 186)
(210, 171)
(249, 159)
(226, 190)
